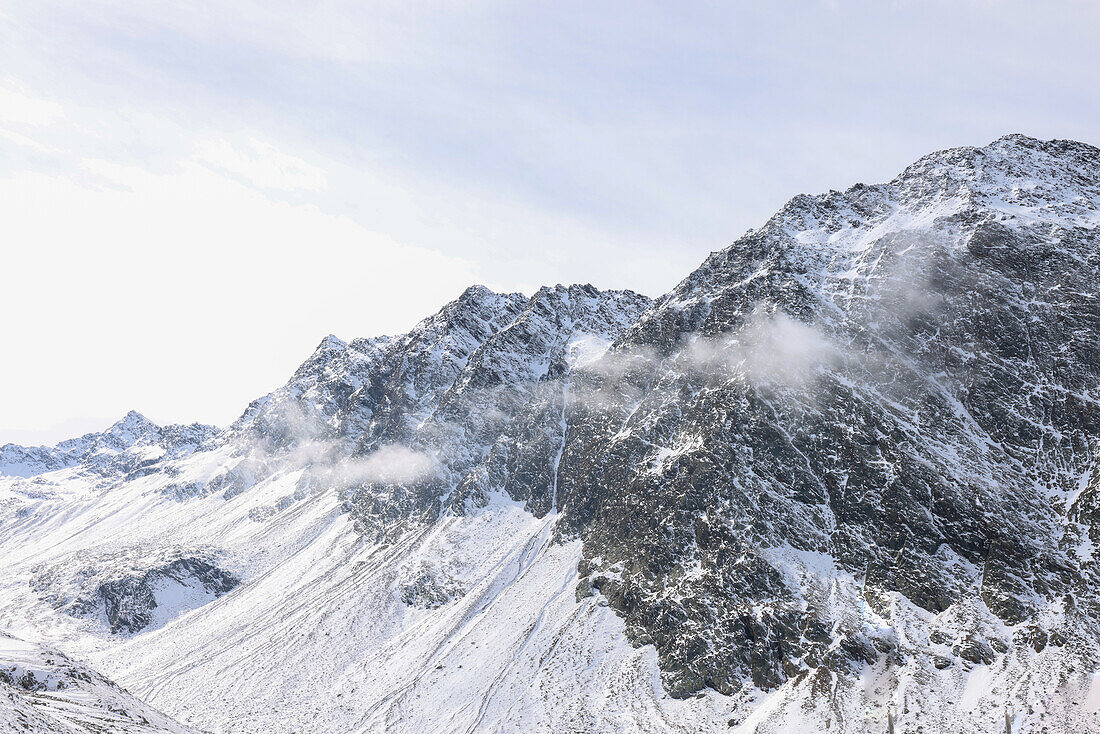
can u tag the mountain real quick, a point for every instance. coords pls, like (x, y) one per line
(844, 476)
(132, 443)
(898, 380)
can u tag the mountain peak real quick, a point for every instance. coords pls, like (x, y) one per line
(332, 342)
(478, 294)
(1054, 146)
(133, 423)
(1008, 164)
(477, 290)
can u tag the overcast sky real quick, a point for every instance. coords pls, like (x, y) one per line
(193, 194)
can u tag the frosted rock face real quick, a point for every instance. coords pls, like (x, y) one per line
(900, 377)
(130, 603)
(472, 399)
(130, 590)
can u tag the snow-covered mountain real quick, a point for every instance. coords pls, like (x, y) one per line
(130, 445)
(846, 473)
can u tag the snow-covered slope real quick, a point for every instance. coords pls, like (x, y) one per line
(848, 471)
(44, 692)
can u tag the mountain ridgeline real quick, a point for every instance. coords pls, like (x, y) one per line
(863, 436)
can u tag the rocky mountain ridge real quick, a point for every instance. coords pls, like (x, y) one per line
(127, 445)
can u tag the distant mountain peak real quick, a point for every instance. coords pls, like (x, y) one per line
(332, 342)
(133, 424)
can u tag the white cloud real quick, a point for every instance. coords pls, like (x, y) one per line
(24, 109)
(769, 348)
(13, 137)
(262, 165)
(393, 463)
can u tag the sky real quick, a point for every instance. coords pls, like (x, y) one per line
(192, 195)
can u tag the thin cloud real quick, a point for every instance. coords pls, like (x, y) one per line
(262, 165)
(391, 464)
(770, 348)
(24, 109)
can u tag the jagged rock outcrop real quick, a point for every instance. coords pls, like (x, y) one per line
(472, 396)
(898, 377)
(127, 591)
(128, 603)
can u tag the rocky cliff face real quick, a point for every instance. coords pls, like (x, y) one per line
(42, 691)
(899, 379)
(467, 403)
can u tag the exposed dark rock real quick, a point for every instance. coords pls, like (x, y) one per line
(128, 603)
(428, 590)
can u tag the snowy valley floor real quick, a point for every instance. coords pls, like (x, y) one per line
(468, 625)
(471, 624)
